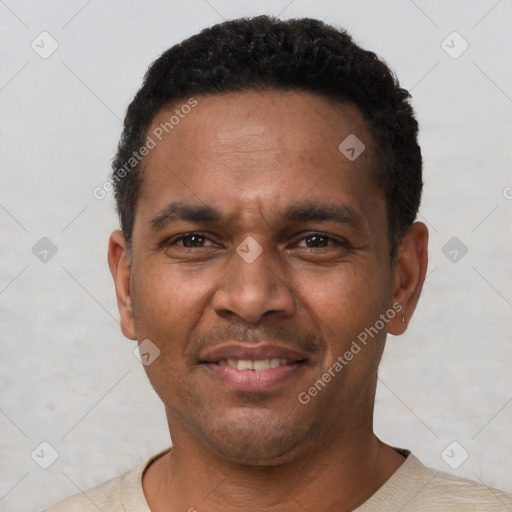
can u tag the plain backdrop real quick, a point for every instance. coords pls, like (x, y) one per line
(69, 378)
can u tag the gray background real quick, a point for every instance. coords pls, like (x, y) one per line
(69, 378)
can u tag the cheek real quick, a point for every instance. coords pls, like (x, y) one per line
(165, 294)
(167, 311)
(349, 301)
(167, 307)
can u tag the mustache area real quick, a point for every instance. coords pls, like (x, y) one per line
(310, 343)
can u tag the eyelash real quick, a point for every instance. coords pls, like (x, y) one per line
(341, 243)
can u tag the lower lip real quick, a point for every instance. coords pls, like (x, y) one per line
(253, 380)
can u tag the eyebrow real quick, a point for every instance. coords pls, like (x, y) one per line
(178, 210)
(303, 212)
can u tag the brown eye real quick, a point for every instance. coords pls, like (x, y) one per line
(317, 240)
(189, 240)
(193, 240)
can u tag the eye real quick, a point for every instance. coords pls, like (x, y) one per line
(319, 240)
(189, 240)
(311, 240)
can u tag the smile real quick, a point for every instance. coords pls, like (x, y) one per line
(252, 368)
(259, 365)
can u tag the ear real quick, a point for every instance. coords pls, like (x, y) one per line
(120, 268)
(409, 273)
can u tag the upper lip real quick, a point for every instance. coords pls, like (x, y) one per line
(255, 352)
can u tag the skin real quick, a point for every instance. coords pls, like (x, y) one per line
(252, 155)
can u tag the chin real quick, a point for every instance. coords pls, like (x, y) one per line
(252, 454)
(258, 439)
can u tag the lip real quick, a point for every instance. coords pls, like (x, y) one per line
(253, 353)
(252, 380)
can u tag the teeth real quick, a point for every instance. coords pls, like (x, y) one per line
(260, 364)
(244, 364)
(263, 364)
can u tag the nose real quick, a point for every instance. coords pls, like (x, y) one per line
(252, 289)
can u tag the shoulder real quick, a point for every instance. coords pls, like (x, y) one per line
(417, 488)
(447, 490)
(116, 495)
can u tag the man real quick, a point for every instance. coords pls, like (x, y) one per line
(267, 183)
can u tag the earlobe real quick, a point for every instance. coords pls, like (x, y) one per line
(120, 269)
(410, 269)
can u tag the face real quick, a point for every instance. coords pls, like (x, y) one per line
(260, 255)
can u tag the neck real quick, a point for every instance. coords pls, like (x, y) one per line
(340, 475)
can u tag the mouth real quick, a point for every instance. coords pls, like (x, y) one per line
(258, 365)
(259, 368)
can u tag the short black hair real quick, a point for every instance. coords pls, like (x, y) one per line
(265, 52)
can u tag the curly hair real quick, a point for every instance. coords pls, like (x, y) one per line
(265, 52)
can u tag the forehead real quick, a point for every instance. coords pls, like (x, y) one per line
(255, 121)
(249, 148)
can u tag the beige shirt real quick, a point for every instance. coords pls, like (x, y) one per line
(412, 488)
